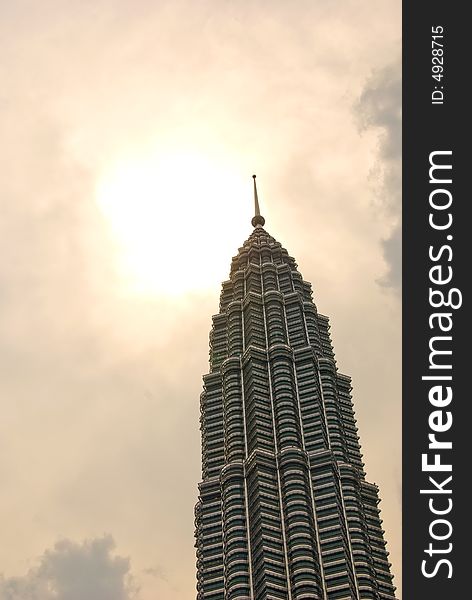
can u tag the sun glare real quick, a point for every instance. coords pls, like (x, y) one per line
(177, 219)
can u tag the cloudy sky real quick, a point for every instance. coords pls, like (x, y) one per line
(130, 131)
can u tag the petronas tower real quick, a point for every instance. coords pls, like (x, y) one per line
(284, 509)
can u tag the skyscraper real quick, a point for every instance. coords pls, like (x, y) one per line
(284, 509)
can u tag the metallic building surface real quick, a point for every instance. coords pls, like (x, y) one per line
(284, 510)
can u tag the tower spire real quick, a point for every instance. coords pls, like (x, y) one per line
(257, 219)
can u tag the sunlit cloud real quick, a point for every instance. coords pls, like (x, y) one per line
(169, 211)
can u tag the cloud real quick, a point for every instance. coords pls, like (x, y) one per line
(72, 571)
(96, 382)
(379, 108)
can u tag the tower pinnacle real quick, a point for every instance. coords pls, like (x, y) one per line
(257, 219)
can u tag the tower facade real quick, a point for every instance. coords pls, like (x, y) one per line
(284, 509)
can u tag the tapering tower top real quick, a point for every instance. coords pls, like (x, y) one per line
(257, 219)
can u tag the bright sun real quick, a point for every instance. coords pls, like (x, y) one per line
(177, 218)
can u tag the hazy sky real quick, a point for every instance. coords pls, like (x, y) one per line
(130, 131)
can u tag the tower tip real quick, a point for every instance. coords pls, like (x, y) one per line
(257, 219)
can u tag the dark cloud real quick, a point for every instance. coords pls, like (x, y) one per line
(379, 108)
(392, 248)
(72, 571)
